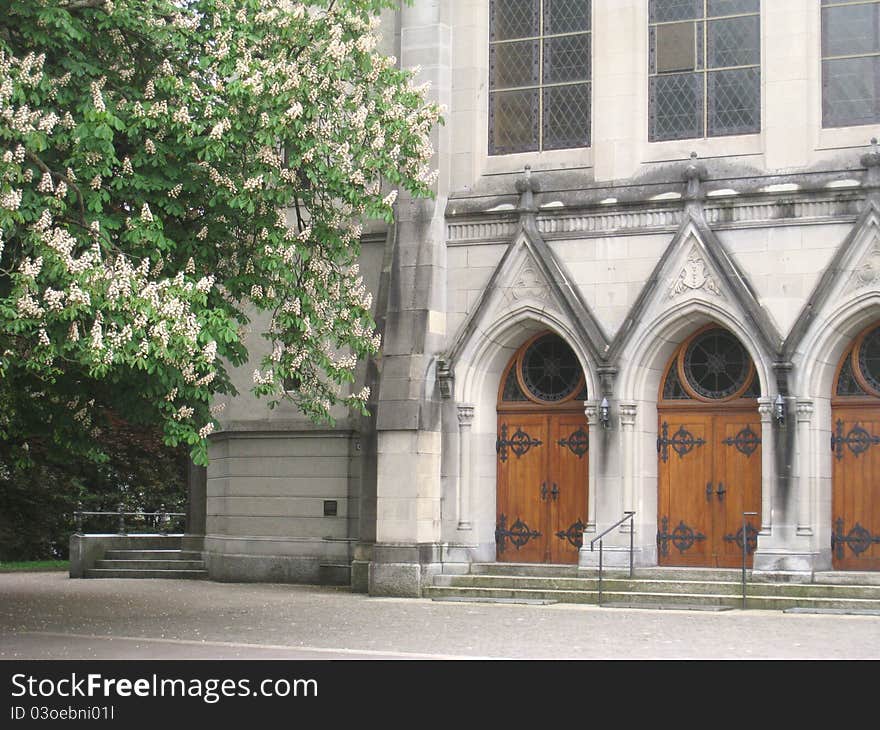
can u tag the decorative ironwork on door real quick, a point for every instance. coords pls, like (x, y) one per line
(751, 538)
(682, 441)
(578, 441)
(519, 443)
(574, 534)
(683, 537)
(858, 539)
(746, 441)
(857, 440)
(518, 534)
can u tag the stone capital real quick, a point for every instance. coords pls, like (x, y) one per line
(765, 409)
(627, 412)
(591, 411)
(465, 413)
(805, 410)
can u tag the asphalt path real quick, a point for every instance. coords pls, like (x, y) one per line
(49, 616)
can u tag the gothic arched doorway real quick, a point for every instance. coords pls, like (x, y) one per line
(855, 435)
(709, 451)
(542, 453)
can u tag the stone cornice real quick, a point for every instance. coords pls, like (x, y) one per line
(493, 226)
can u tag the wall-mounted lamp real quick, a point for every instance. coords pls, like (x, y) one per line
(779, 410)
(605, 413)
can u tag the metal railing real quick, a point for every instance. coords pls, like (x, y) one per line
(599, 538)
(745, 534)
(161, 519)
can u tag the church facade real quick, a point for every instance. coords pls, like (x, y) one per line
(649, 282)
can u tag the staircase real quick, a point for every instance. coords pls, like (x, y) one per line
(681, 588)
(174, 563)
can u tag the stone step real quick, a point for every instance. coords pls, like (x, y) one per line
(152, 555)
(697, 587)
(650, 599)
(151, 564)
(573, 571)
(123, 573)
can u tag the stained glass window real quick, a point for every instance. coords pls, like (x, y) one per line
(704, 75)
(850, 63)
(539, 75)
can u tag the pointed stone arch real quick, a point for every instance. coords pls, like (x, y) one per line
(696, 270)
(852, 277)
(530, 282)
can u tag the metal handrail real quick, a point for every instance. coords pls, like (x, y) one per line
(599, 538)
(745, 533)
(163, 516)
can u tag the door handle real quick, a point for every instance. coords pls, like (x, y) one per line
(543, 491)
(721, 490)
(554, 492)
(709, 491)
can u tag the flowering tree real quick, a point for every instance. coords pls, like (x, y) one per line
(169, 168)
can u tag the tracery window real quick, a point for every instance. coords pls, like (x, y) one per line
(704, 68)
(545, 371)
(712, 365)
(859, 373)
(850, 62)
(539, 75)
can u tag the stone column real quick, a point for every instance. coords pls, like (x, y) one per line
(768, 473)
(805, 476)
(591, 411)
(465, 421)
(627, 413)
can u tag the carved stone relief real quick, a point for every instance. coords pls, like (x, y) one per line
(694, 276)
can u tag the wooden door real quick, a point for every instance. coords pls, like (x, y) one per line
(710, 473)
(684, 525)
(542, 486)
(568, 472)
(522, 520)
(737, 486)
(855, 443)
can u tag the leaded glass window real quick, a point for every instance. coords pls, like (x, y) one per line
(704, 68)
(716, 365)
(539, 75)
(846, 381)
(512, 391)
(850, 63)
(550, 370)
(869, 358)
(672, 389)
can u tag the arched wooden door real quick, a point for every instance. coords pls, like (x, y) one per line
(542, 453)
(855, 447)
(709, 451)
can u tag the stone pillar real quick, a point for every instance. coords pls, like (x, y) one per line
(465, 421)
(627, 413)
(805, 476)
(591, 411)
(782, 548)
(768, 472)
(408, 414)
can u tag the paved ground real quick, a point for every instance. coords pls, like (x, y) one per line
(48, 616)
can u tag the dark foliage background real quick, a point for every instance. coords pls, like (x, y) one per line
(37, 500)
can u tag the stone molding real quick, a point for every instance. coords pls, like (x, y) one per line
(657, 219)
